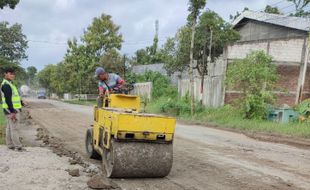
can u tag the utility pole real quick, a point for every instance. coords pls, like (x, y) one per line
(156, 28)
(204, 65)
(304, 71)
(191, 72)
(210, 46)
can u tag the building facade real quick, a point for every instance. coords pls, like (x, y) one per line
(286, 40)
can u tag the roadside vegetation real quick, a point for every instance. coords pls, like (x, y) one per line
(227, 117)
(257, 78)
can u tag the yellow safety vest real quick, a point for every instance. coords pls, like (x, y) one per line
(16, 100)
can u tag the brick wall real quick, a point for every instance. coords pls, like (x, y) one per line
(287, 55)
(240, 50)
(288, 77)
(307, 81)
(287, 50)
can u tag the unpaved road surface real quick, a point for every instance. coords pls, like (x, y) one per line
(36, 169)
(204, 158)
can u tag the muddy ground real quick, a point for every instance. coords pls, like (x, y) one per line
(204, 158)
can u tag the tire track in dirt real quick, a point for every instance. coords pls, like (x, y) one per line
(209, 165)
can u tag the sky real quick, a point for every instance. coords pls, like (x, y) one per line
(48, 24)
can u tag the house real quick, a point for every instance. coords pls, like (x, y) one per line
(284, 38)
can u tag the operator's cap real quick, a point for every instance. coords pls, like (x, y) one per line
(99, 71)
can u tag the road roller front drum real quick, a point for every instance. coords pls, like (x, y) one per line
(137, 159)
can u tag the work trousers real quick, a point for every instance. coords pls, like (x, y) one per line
(12, 136)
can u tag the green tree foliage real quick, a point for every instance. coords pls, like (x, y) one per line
(13, 43)
(255, 76)
(300, 6)
(272, 10)
(222, 35)
(46, 76)
(8, 3)
(113, 61)
(53, 78)
(102, 35)
(161, 84)
(194, 9)
(176, 50)
(148, 55)
(98, 47)
(31, 74)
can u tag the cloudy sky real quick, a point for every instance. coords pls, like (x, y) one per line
(49, 23)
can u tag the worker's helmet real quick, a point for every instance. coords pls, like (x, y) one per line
(99, 71)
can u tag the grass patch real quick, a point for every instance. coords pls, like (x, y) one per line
(230, 117)
(2, 128)
(82, 102)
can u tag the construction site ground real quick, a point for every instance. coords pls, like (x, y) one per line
(204, 157)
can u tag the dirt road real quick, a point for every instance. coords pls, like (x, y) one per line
(204, 158)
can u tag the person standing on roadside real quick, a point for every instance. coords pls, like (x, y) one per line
(12, 105)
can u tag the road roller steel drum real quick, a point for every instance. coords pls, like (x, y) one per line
(131, 144)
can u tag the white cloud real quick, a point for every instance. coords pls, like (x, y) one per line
(58, 20)
(63, 4)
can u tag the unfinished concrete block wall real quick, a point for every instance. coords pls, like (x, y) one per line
(287, 54)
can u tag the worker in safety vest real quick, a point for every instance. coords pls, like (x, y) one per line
(12, 105)
(107, 81)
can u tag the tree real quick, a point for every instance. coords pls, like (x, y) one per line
(45, 77)
(13, 43)
(98, 47)
(13, 47)
(195, 7)
(148, 55)
(113, 61)
(256, 77)
(175, 51)
(141, 57)
(9, 3)
(207, 46)
(54, 78)
(272, 10)
(102, 35)
(31, 74)
(300, 6)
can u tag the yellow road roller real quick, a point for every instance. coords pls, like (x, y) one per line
(131, 144)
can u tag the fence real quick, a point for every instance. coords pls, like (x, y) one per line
(212, 94)
(143, 89)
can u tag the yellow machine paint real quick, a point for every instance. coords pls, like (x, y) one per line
(149, 138)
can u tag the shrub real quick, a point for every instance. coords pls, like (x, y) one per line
(179, 106)
(255, 76)
(161, 84)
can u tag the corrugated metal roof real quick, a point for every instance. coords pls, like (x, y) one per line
(281, 20)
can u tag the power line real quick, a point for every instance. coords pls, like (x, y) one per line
(274, 4)
(145, 42)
